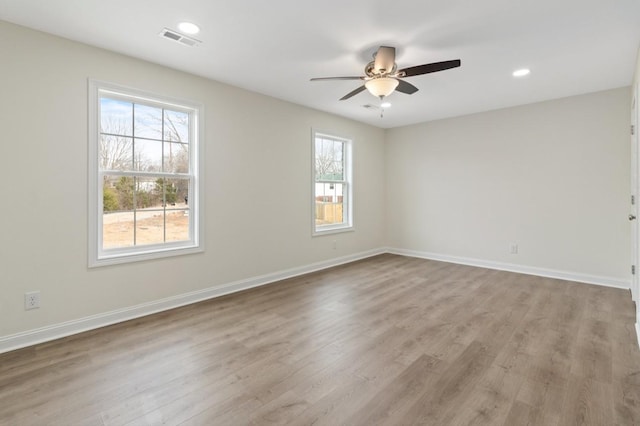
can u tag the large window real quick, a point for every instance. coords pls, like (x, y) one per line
(332, 187)
(144, 182)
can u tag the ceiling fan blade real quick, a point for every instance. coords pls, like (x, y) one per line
(336, 78)
(384, 59)
(405, 87)
(428, 68)
(353, 93)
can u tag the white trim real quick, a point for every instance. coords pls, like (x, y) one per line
(56, 331)
(521, 269)
(638, 333)
(97, 256)
(347, 198)
(634, 191)
(150, 252)
(332, 231)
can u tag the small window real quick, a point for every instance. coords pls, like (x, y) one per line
(144, 176)
(332, 188)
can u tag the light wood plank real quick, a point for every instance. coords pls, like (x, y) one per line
(386, 340)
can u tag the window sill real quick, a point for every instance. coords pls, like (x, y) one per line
(120, 258)
(332, 230)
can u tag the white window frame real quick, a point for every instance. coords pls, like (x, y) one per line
(347, 199)
(102, 257)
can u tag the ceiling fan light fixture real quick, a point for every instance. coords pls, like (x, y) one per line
(382, 77)
(381, 87)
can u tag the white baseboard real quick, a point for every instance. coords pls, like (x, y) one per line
(56, 331)
(529, 270)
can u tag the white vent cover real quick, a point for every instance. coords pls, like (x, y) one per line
(176, 36)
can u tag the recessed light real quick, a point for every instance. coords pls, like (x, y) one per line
(188, 28)
(385, 104)
(522, 72)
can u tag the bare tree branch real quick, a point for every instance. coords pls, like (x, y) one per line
(116, 152)
(328, 159)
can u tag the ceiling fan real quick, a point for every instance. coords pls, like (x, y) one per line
(382, 76)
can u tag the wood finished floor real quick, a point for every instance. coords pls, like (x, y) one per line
(388, 340)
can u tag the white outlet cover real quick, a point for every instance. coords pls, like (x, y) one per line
(32, 300)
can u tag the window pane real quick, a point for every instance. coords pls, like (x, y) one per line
(176, 126)
(116, 153)
(148, 193)
(165, 193)
(148, 122)
(329, 159)
(176, 157)
(176, 192)
(149, 227)
(173, 191)
(110, 195)
(117, 229)
(116, 117)
(119, 190)
(177, 225)
(148, 155)
(329, 203)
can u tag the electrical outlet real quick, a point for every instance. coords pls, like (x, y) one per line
(32, 300)
(514, 249)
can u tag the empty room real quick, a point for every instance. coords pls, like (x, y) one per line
(329, 213)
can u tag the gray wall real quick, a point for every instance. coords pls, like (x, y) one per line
(552, 177)
(257, 184)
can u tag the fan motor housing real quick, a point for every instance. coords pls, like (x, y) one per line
(370, 70)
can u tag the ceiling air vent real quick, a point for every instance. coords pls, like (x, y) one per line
(176, 36)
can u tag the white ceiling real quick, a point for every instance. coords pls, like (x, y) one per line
(275, 47)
